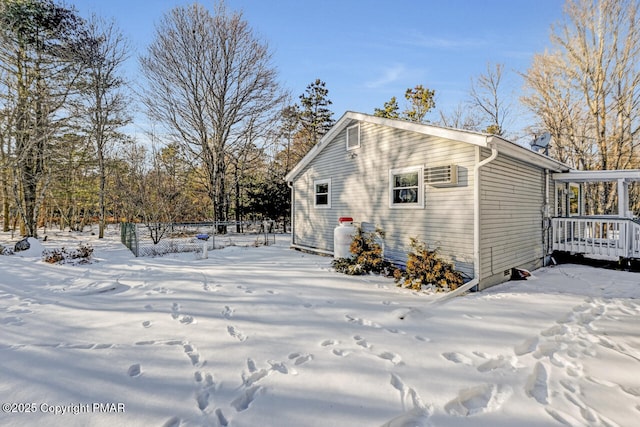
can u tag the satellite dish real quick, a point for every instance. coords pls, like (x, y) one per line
(542, 141)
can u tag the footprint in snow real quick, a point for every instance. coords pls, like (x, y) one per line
(175, 310)
(134, 370)
(242, 402)
(187, 320)
(300, 358)
(203, 400)
(192, 354)
(361, 322)
(362, 342)
(222, 420)
(479, 399)
(227, 313)
(527, 346)
(499, 362)
(234, 332)
(391, 357)
(172, 422)
(146, 323)
(457, 358)
(537, 386)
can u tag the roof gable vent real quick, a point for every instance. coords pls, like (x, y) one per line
(440, 175)
(353, 137)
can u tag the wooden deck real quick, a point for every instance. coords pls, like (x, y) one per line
(601, 236)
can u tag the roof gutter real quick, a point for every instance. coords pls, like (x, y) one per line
(476, 207)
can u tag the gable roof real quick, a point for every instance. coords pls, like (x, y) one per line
(475, 138)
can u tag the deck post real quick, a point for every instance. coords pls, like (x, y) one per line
(623, 201)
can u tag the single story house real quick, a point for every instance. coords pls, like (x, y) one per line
(486, 203)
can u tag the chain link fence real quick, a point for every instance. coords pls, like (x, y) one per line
(159, 239)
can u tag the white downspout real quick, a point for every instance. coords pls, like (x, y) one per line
(476, 208)
(546, 219)
(290, 185)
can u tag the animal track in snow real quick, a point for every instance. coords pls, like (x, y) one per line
(406, 393)
(184, 319)
(172, 422)
(362, 342)
(249, 380)
(361, 322)
(191, 353)
(235, 333)
(221, 418)
(280, 367)
(227, 313)
(242, 402)
(457, 358)
(134, 370)
(327, 343)
(300, 358)
(391, 357)
(187, 320)
(146, 323)
(203, 400)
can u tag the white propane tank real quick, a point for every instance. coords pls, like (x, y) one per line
(342, 237)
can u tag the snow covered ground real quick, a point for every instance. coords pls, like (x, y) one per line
(273, 337)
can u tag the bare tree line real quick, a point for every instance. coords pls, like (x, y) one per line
(225, 131)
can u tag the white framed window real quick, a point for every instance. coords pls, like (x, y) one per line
(406, 188)
(353, 137)
(322, 193)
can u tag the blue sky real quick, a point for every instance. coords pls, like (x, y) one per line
(370, 50)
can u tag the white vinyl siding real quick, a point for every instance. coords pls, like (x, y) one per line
(360, 189)
(512, 199)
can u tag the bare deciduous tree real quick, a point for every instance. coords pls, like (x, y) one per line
(586, 89)
(486, 98)
(460, 118)
(207, 78)
(103, 106)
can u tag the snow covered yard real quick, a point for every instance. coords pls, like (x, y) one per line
(273, 337)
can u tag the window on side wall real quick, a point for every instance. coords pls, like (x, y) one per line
(322, 190)
(406, 188)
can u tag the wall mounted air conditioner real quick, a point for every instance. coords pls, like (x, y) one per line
(441, 175)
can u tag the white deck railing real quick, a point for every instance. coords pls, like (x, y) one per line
(611, 237)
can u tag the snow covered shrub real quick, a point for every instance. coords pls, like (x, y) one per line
(81, 255)
(368, 256)
(426, 268)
